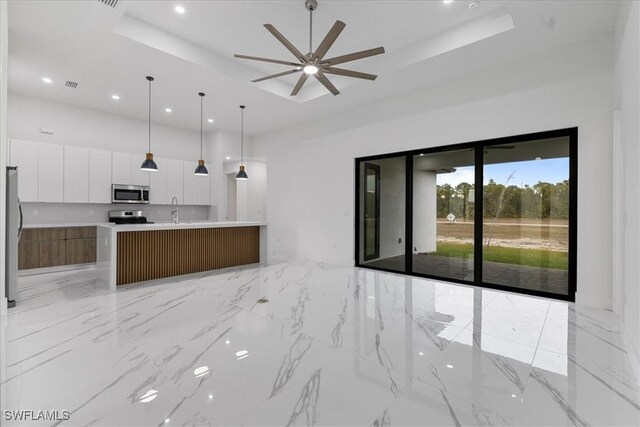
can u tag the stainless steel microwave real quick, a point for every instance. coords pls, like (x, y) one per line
(130, 194)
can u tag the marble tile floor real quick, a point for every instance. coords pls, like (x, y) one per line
(334, 346)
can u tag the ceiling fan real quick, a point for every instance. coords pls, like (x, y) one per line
(313, 63)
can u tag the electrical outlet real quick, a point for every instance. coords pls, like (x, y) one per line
(399, 240)
(91, 212)
(34, 212)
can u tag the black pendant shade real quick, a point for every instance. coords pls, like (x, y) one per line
(201, 170)
(149, 165)
(242, 175)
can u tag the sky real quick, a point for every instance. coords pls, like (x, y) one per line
(526, 173)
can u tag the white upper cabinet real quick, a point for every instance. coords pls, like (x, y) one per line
(23, 154)
(121, 168)
(99, 176)
(50, 172)
(197, 189)
(175, 181)
(159, 183)
(76, 174)
(125, 169)
(140, 177)
(62, 173)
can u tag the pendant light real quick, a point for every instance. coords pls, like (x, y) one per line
(201, 170)
(149, 165)
(241, 175)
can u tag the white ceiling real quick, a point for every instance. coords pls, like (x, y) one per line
(111, 51)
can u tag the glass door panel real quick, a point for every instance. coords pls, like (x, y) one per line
(525, 242)
(382, 213)
(443, 214)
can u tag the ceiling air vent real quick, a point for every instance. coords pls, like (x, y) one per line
(71, 84)
(111, 3)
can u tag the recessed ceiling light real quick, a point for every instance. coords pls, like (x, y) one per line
(179, 9)
(210, 120)
(167, 420)
(228, 158)
(447, 1)
(168, 110)
(450, 366)
(211, 396)
(47, 80)
(474, 4)
(116, 97)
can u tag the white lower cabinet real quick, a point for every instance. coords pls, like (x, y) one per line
(76, 174)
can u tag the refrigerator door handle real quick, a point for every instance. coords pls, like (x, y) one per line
(20, 227)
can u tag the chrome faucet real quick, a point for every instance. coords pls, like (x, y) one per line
(175, 215)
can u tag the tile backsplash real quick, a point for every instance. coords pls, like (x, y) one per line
(59, 213)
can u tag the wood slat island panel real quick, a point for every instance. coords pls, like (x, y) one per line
(154, 254)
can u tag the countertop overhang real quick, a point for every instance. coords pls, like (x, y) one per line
(181, 226)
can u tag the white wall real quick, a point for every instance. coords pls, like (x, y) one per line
(425, 211)
(4, 56)
(84, 127)
(312, 215)
(627, 104)
(223, 144)
(250, 195)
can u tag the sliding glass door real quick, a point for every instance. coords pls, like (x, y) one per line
(382, 217)
(525, 241)
(443, 213)
(424, 213)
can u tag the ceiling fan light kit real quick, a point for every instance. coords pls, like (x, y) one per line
(314, 62)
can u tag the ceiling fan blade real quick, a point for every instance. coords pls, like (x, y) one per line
(325, 81)
(301, 82)
(353, 56)
(273, 76)
(328, 40)
(349, 73)
(274, 61)
(285, 42)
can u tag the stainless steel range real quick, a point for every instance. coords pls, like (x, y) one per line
(128, 217)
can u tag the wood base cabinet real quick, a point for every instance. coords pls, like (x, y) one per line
(56, 246)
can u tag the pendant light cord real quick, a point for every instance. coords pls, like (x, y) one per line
(149, 116)
(310, 30)
(201, 126)
(242, 135)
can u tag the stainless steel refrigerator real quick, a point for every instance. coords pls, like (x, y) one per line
(14, 231)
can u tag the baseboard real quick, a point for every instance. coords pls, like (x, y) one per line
(634, 357)
(58, 269)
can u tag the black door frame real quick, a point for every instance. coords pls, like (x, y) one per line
(479, 146)
(376, 254)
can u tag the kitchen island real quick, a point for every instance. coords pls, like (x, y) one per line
(135, 253)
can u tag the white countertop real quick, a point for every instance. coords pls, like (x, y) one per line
(181, 225)
(66, 224)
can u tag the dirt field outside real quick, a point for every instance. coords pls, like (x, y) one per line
(525, 233)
